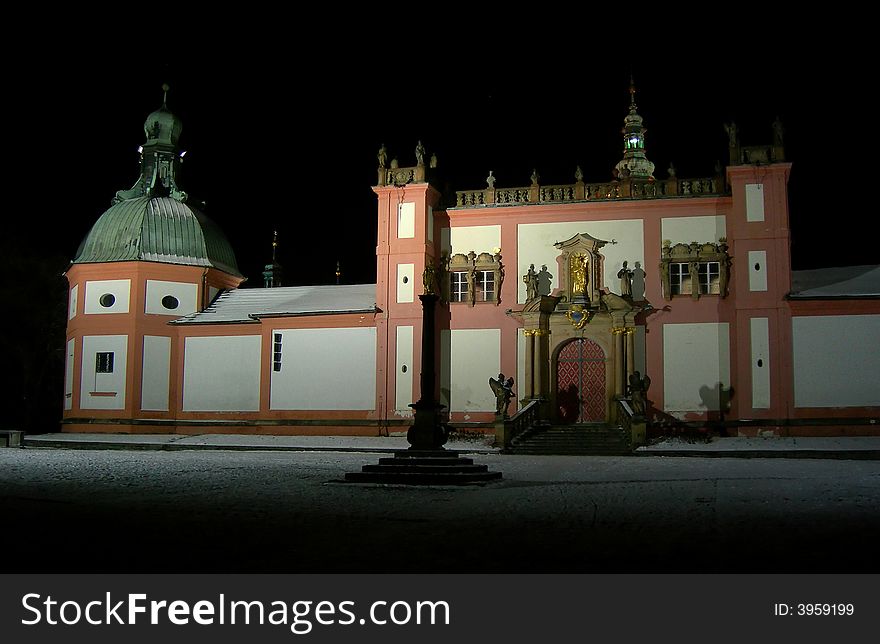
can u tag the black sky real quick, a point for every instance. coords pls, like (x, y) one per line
(277, 144)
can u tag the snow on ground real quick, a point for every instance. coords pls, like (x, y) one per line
(264, 511)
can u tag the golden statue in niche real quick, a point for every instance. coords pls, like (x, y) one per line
(578, 265)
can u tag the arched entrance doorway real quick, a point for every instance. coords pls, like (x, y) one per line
(580, 382)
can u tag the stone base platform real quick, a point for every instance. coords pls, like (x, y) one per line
(424, 467)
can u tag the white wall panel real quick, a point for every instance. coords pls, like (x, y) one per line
(403, 394)
(754, 202)
(74, 295)
(760, 345)
(185, 294)
(536, 246)
(757, 270)
(119, 290)
(464, 239)
(406, 220)
(156, 373)
(684, 230)
(470, 358)
(836, 360)
(326, 369)
(405, 283)
(696, 358)
(103, 390)
(222, 373)
(69, 362)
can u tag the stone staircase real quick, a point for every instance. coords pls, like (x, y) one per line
(587, 439)
(424, 467)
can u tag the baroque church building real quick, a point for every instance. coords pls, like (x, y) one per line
(664, 300)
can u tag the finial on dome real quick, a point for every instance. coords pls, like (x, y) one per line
(165, 89)
(274, 244)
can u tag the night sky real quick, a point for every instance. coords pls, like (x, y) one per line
(273, 144)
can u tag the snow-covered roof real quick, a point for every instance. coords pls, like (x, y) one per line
(845, 281)
(250, 304)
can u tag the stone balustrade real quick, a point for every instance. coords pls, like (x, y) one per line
(611, 190)
(506, 429)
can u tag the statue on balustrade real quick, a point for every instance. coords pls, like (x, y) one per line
(778, 132)
(732, 134)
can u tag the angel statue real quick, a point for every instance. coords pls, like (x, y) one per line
(503, 391)
(638, 390)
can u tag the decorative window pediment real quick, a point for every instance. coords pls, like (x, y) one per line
(694, 269)
(473, 278)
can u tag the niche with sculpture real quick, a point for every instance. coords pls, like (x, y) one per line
(580, 270)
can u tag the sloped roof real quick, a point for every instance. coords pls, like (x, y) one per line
(841, 282)
(250, 304)
(157, 229)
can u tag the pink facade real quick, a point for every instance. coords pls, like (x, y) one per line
(708, 315)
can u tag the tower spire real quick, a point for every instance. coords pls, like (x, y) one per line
(632, 94)
(160, 156)
(273, 272)
(634, 164)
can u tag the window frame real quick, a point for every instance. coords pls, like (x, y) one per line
(104, 362)
(700, 259)
(479, 271)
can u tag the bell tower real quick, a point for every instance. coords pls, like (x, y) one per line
(405, 249)
(634, 164)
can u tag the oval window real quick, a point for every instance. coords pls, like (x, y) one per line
(170, 302)
(107, 300)
(403, 368)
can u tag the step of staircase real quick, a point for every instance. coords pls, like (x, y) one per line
(593, 439)
(413, 467)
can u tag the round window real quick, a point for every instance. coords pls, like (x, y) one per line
(107, 300)
(170, 302)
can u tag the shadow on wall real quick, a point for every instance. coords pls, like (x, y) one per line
(545, 281)
(716, 401)
(638, 283)
(568, 404)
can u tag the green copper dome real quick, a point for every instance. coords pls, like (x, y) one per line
(157, 229)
